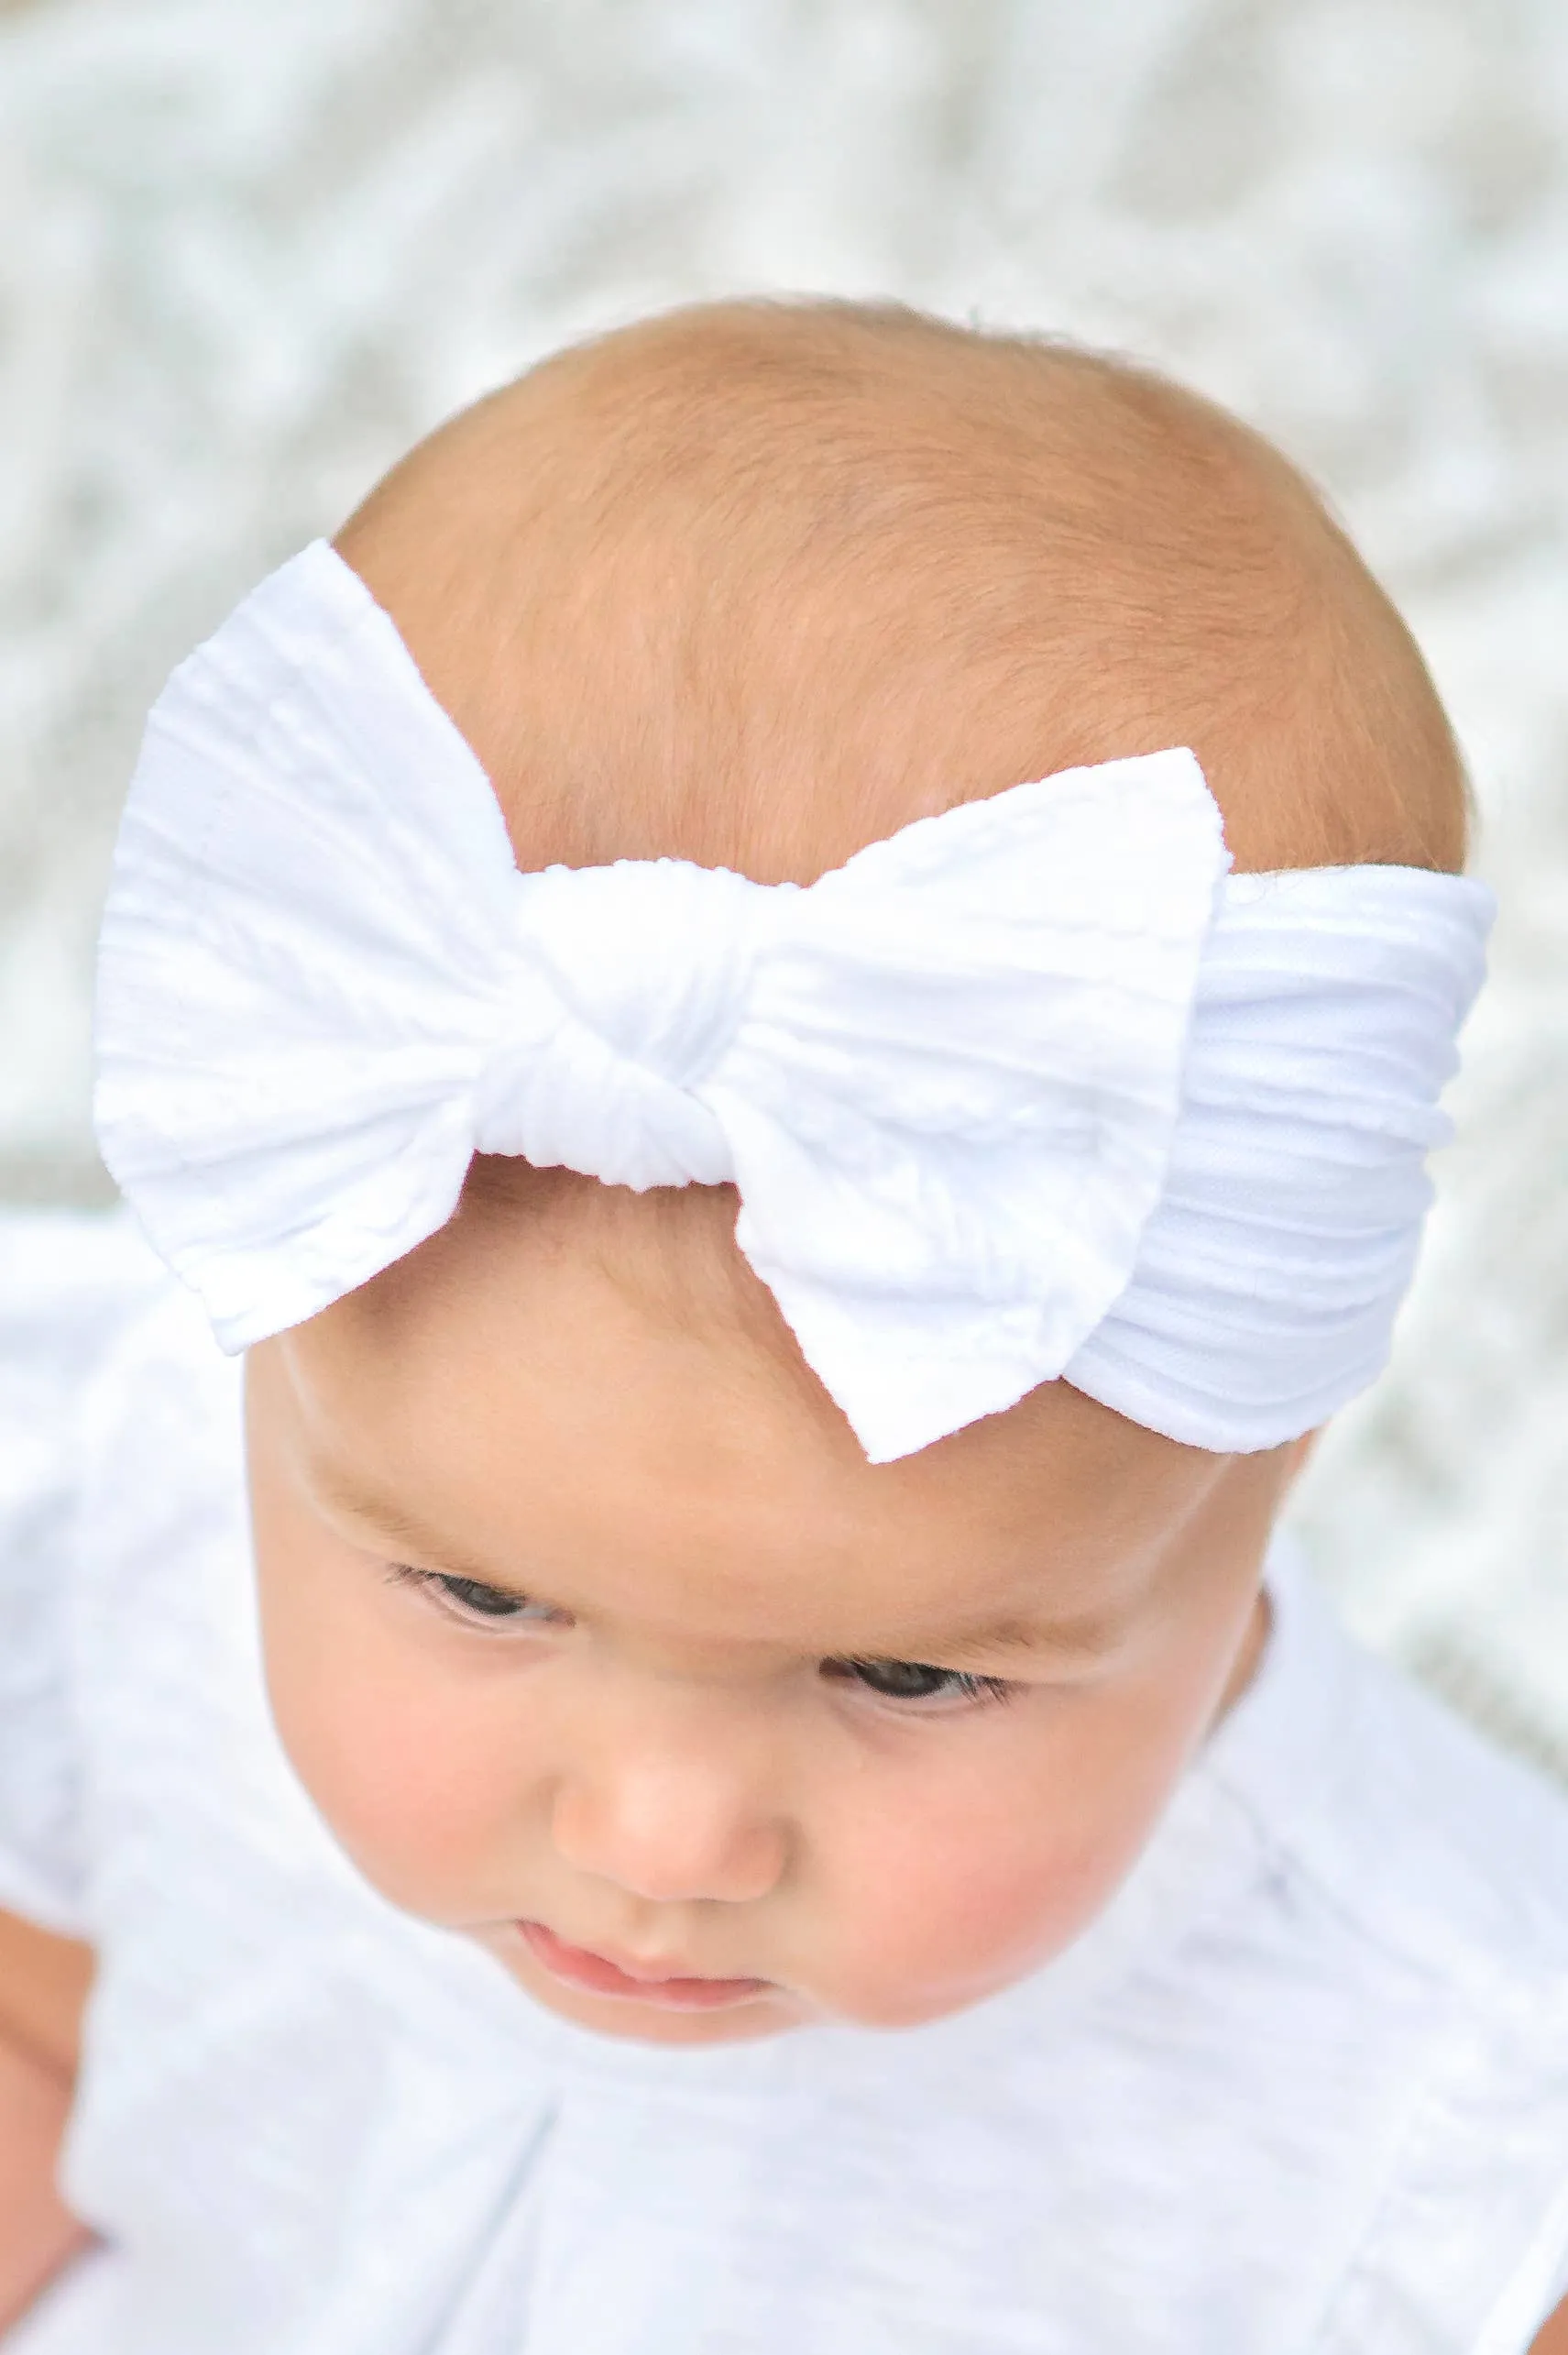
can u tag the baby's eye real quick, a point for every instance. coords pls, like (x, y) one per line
(489, 1602)
(471, 1597)
(916, 1680)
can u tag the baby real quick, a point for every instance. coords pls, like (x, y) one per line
(771, 1370)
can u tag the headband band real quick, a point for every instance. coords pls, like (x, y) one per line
(1033, 1088)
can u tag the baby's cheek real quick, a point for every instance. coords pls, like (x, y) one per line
(981, 1881)
(976, 1912)
(409, 1772)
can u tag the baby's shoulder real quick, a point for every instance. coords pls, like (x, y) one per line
(72, 1287)
(106, 1371)
(1455, 1828)
(1448, 1853)
(70, 1282)
(1407, 1928)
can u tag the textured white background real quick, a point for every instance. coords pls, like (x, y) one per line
(247, 253)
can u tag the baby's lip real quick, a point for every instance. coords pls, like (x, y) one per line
(596, 1973)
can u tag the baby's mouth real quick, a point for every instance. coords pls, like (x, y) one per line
(579, 1968)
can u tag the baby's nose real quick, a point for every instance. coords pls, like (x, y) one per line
(671, 1813)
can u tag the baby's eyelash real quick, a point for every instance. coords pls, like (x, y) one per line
(899, 1682)
(985, 1687)
(470, 1598)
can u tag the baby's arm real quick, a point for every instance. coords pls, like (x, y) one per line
(1554, 2338)
(43, 1986)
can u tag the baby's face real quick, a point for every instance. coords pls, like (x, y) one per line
(595, 1637)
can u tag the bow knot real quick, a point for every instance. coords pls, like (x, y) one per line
(623, 989)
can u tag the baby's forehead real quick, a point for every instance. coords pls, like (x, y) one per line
(551, 1391)
(755, 586)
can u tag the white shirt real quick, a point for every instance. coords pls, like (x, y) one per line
(1304, 2086)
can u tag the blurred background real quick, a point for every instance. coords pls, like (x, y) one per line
(248, 254)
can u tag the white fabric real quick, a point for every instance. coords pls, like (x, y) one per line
(1029, 1088)
(1305, 2086)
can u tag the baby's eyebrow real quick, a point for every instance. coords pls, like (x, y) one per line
(1087, 1637)
(1083, 1635)
(342, 1492)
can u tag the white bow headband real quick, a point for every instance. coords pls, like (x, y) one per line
(1034, 1088)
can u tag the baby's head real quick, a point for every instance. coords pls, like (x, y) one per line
(589, 1625)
